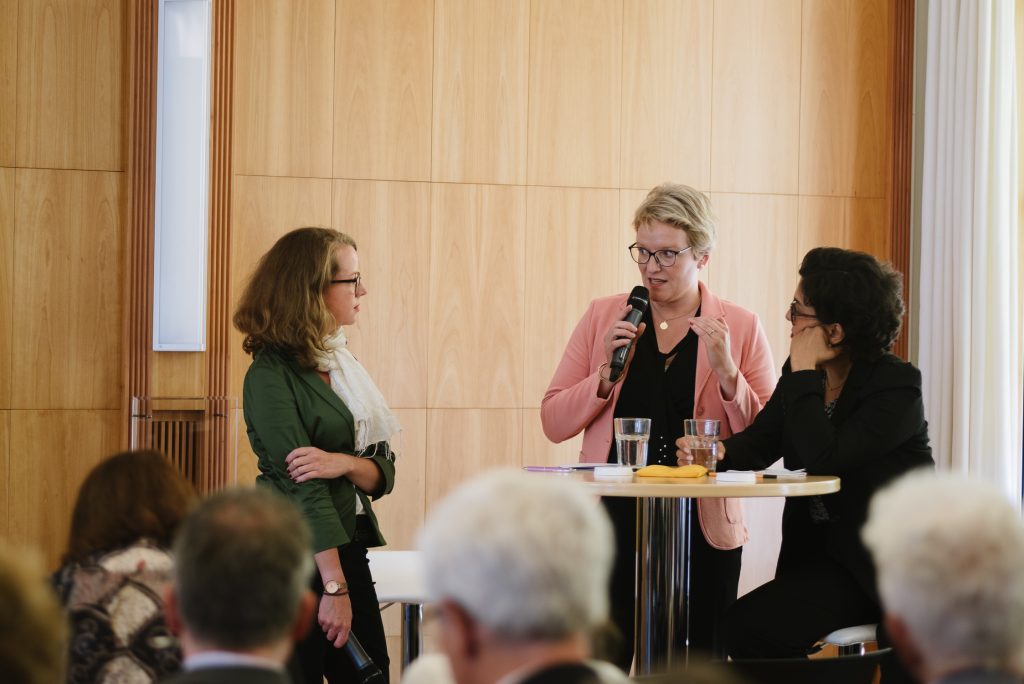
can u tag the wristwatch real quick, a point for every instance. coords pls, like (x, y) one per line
(333, 588)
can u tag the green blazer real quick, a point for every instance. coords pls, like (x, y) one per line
(286, 407)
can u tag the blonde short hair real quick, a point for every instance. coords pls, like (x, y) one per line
(682, 207)
(33, 630)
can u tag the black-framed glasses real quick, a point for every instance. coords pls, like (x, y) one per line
(356, 280)
(794, 314)
(664, 257)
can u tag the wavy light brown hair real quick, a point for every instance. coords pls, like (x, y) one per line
(129, 496)
(282, 307)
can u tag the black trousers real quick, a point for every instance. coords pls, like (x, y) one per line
(714, 578)
(314, 657)
(786, 616)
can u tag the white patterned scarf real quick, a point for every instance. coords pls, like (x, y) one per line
(350, 381)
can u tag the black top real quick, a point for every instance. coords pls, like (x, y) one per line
(659, 392)
(875, 432)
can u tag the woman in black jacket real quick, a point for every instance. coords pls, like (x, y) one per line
(844, 406)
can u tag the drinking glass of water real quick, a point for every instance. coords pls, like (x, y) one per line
(702, 438)
(631, 435)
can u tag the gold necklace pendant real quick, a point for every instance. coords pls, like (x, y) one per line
(663, 325)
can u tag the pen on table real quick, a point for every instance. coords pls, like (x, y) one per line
(770, 476)
(547, 469)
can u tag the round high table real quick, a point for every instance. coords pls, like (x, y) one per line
(664, 507)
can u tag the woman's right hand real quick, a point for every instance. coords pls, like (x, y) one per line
(685, 457)
(335, 618)
(620, 334)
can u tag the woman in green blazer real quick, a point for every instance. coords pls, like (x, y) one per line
(321, 431)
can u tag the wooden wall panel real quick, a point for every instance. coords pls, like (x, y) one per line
(70, 84)
(67, 290)
(755, 263)
(382, 89)
(462, 443)
(8, 79)
(51, 453)
(400, 513)
(849, 222)
(481, 61)
(264, 209)
(178, 374)
(539, 450)
(666, 93)
(844, 98)
(575, 92)
(564, 226)
(391, 224)
(5, 473)
(629, 270)
(756, 96)
(7, 326)
(283, 112)
(475, 339)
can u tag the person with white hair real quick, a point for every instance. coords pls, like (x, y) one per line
(949, 554)
(518, 565)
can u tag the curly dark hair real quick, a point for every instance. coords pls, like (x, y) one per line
(859, 292)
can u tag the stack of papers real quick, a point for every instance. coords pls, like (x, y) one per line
(783, 474)
(735, 476)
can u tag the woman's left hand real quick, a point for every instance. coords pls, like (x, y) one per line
(810, 348)
(715, 334)
(308, 463)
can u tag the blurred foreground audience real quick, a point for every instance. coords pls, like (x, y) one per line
(949, 554)
(116, 567)
(32, 627)
(240, 597)
(518, 566)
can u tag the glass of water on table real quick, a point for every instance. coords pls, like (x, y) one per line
(702, 437)
(631, 437)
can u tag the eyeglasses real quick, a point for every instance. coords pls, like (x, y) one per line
(794, 314)
(664, 257)
(356, 280)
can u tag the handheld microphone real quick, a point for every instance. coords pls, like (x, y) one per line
(639, 299)
(366, 669)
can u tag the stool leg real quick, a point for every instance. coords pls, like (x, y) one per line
(412, 639)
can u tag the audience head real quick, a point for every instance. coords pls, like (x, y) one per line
(32, 625)
(949, 552)
(129, 496)
(684, 208)
(283, 305)
(243, 560)
(525, 558)
(858, 292)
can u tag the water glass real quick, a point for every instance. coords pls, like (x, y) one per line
(631, 436)
(702, 437)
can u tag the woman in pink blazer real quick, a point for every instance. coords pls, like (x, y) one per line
(695, 356)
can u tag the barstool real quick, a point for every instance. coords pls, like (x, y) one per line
(852, 640)
(398, 578)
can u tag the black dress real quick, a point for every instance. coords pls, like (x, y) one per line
(661, 387)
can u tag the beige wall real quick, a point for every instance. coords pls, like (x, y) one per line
(61, 251)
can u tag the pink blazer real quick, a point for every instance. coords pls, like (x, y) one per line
(571, 403)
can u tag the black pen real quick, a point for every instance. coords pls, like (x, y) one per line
(769, 476)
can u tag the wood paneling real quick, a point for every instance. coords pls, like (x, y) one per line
(7, 326)
(177, 374)
(575, 92)
(5, 470)
(848, 222)
(629, 271)
(400, 513)
(756, 96)
(899, 164)
(283, 102)
(382, 89)
(755, 262)
(539, 450)
(475, 340)
(8, 79)
(70, 84)
(67, 290)
(481, 63)
(465, 442)
(263, 210)
(391, 224)
(51, 453)
(844, 98)
(564, 226)
(666, 93)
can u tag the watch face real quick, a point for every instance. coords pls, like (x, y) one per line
(332, 587)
